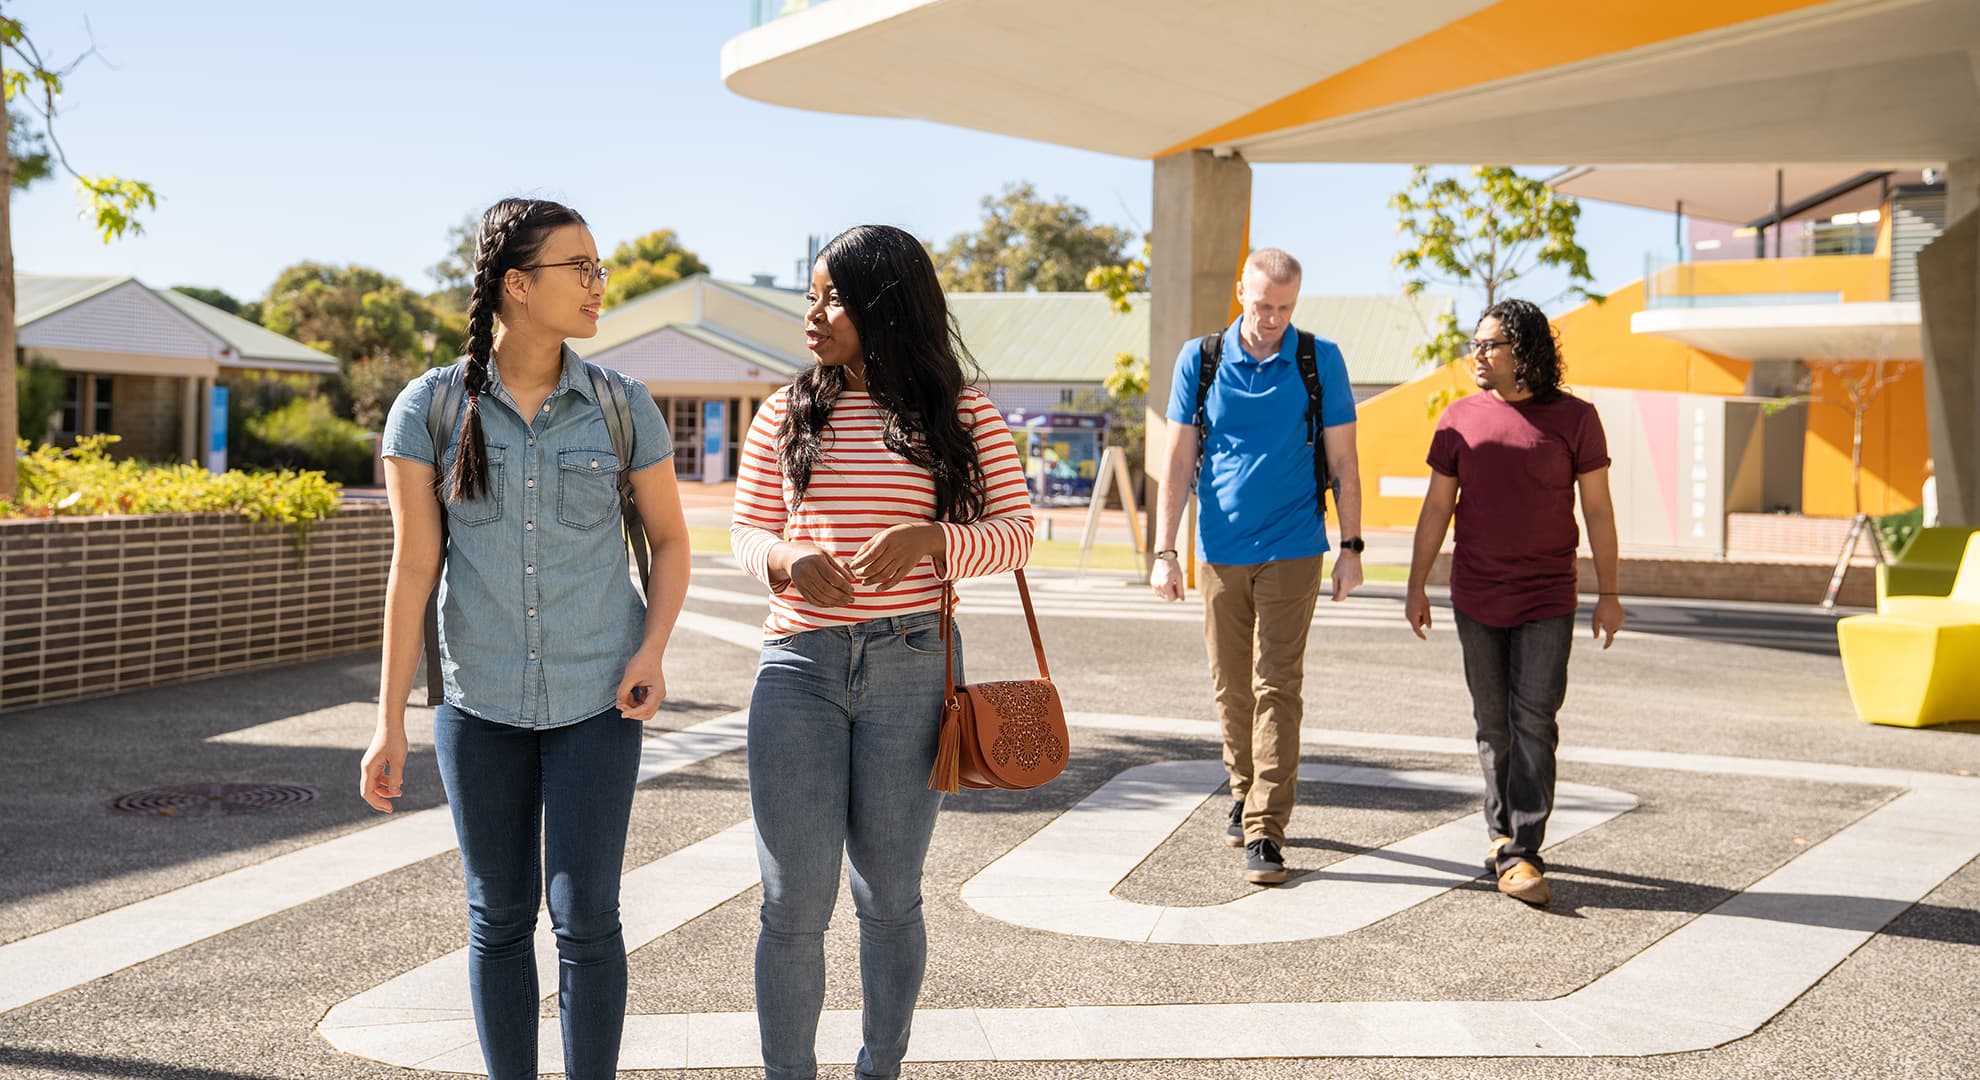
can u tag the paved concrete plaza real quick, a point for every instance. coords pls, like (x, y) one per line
(1748, 882)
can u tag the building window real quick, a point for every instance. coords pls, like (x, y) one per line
(1066, 397)
(685, 419)
(72, 388)
(100, 408)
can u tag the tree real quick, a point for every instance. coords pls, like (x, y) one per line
(653, 261)
(42, 386)
(375, 326)
(455, 273)
(351, 312)
(1486, 235)
(116, 202)
(1026, 243)
(211, 297)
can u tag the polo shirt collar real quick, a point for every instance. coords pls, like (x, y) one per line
(1234, 344)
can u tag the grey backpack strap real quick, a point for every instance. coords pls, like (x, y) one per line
(443, 415)
(610, 390)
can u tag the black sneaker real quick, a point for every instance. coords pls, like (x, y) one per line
(1263, 865)
(1234, 832)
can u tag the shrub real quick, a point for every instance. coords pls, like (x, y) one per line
(306, 433)
(85, 481)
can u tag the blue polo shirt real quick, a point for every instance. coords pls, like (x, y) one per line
(1255, 491)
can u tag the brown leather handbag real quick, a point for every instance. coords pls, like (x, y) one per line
(1009, 735)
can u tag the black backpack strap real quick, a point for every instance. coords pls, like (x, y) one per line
(1309, 372)
(610, 390)
(1209, 353)
(443, 415)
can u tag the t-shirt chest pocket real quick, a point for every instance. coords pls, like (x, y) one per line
(587, 487)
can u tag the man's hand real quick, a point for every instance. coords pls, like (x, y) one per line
(1416, 609)
(1347, 574)
(1166, 579)
(816, 574)
(893, 553)
(1608, 619)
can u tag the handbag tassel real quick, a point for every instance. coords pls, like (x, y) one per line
(946, 776)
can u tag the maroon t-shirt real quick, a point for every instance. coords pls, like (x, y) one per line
(1515, 464)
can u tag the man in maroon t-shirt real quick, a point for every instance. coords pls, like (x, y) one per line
(1518, 452)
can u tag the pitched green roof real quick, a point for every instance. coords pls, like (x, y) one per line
(251, 343)
(37, 296)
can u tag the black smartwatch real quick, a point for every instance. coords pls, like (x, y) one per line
(1352, 543)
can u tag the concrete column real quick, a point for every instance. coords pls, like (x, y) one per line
(191, 403)
(1202, 211)
(1949, 296)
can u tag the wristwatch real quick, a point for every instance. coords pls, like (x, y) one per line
(1352, 543)
(1166, 553)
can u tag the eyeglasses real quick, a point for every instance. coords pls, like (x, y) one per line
(585, 267)
(1479, 346)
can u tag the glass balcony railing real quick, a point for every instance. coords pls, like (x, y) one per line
(1828, 266)
(763, 11)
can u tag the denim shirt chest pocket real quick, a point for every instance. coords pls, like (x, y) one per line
(487, 506)
(587, 487)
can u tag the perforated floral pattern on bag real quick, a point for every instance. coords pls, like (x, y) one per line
(1026, 732)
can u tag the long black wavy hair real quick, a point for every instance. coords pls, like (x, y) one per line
(511, 235)
(916, 368)
(1536, 348)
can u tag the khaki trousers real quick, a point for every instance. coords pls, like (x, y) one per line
(1255, 620)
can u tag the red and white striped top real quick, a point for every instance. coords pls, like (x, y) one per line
(860, 487)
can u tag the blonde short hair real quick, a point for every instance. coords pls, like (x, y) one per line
(1278, 264)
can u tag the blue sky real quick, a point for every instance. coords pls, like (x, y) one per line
(358, 132)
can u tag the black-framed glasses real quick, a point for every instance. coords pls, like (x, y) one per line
(1477, 346)
(585, 267)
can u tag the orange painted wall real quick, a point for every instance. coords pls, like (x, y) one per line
(1599, 350)
(1894, 443)
(1392, 437)
(1394, 429)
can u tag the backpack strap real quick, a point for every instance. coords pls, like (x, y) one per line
(1309, 372)
(443, 416)
(1209, 353)
(610, 390)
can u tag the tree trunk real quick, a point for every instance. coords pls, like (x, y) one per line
(9, 407)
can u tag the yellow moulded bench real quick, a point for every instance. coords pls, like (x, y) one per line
(1917, 661)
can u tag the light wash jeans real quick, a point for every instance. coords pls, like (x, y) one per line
(576, 783)
(842, 730)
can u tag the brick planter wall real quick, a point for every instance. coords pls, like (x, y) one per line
(94, 606)
(1722, 579)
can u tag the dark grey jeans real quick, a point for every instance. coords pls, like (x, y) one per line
(1518, 679)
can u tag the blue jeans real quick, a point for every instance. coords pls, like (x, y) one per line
(1518, 680)
(576, 782)
(842, 730)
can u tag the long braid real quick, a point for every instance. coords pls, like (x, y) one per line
(511, 232)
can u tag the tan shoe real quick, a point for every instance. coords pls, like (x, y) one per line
(1522, 882)
(1492, 852)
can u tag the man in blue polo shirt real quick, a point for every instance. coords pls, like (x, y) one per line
(1260, 524)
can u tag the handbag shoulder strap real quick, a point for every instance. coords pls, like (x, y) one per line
(949, 641)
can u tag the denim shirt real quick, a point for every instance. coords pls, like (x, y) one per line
(538, 613)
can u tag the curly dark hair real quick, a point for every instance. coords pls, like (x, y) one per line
(916, 368)
(1536, 347)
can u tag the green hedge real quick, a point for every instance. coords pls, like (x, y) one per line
(85, 482)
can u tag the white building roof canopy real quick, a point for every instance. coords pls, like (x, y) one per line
(1867, 331)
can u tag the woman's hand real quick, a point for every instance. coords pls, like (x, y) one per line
(381, 776)
(643, 687)
(815, 573)
(893, 553)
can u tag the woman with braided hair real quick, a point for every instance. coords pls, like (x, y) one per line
(878, 476)
(550, 658)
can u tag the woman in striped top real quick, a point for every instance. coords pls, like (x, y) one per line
(874, 478)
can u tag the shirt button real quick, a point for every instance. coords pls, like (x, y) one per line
(532, 442)
(546, 406)
(529, 526)
(529, 569)
(594, 463)
(532, 654)
(532, 613)
(529, 483)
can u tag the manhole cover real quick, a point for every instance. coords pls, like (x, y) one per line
(206, 800)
